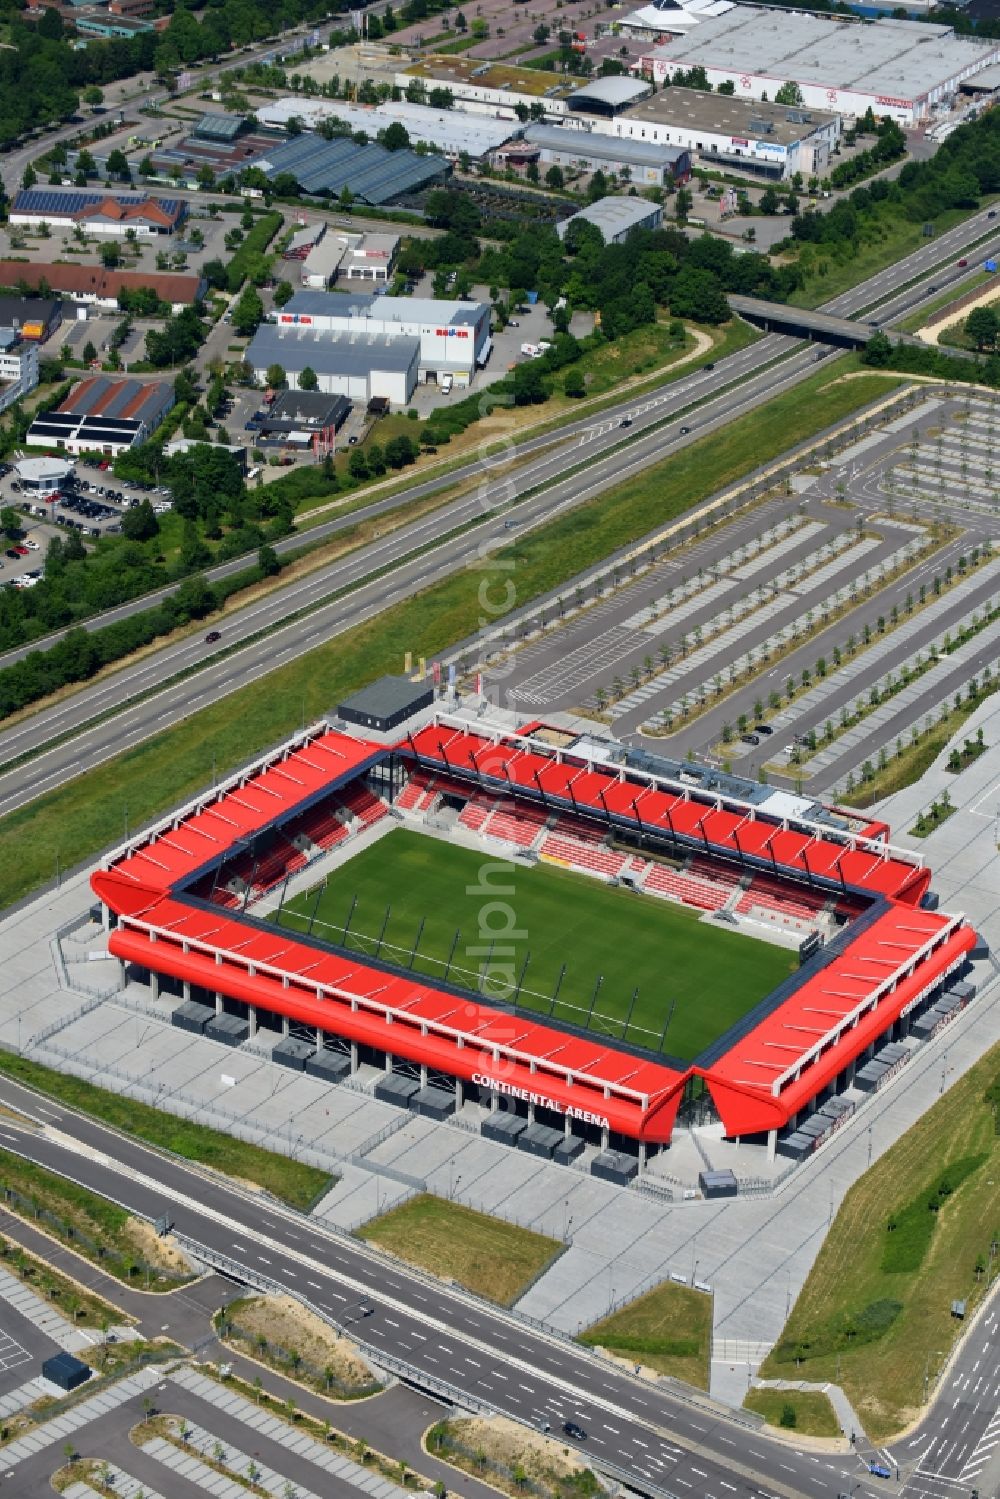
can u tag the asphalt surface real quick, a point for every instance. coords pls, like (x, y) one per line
(665, 1442)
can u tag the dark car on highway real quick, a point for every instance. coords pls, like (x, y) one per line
(213, 636)
(576, 1432)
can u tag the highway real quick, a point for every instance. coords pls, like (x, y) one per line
(664, 1439)
(61, 745)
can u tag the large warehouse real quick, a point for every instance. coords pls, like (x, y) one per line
(371, 174)
(644, 163)
(616, 218)
(450, 132)
(769, 140)
(879, 964)
(904, 69)
(361, 366)
(453, 337)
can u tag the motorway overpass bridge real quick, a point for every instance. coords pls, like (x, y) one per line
(818, 327)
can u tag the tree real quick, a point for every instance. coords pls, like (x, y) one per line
(141, 523)
(788, 93)
(110, 255)
(698, 294)
(89, 352)
(28, 177)
(283, 292)
(10, 521)
(247, 311)
(118, 166)
(573, 384)
(268, 561)
(394, 137)
(554, 178)
(982, 327)
(769, 201)
(93, 96)
(307, 378)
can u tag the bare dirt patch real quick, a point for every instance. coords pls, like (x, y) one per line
(288, 1329)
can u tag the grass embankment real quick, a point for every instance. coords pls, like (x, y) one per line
(495, 1259)
(509, 1457)
(292, 1181)
(914, 1234)
(83, 816)
(800, 1412)
(73, 1301)
(917, 320)
(281, 1333)
(888, 238)
(408, 884)
(669, 1330)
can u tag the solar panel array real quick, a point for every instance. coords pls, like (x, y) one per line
(60, 202)
(370, 172)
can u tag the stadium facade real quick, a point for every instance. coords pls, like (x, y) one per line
(178, 902)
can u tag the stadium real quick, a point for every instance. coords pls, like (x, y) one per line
(520, 919)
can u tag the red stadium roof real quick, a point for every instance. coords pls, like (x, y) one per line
(849, 997)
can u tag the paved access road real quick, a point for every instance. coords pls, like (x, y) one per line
(666, 1443)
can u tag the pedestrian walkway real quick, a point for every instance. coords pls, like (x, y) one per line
(63, 1426)
(44, 1317)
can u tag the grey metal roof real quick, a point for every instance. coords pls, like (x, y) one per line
(370, 172)
(386, 697)
(218, 127)
(449, 130)
(615, 215)
(614, 91)
(894, 58)
(330, 354)
(428, 310)
(587, 145)
(16, 311)
(307, 408)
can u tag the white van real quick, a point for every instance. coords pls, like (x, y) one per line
(447, 381)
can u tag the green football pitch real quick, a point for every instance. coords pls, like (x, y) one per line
(629, 966)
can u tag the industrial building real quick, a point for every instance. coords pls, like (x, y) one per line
(299, 420)
(356, 257)
(616, 218)
(18, 367)
(452, 133)
(452, 337)
(642, 162)
(101, 415)
(93, 286)
(360, 366)
(33, 318)
(666, 18)
(492, 88)
(904, 69)
(769, 140)
(371, 174)
(109, 213)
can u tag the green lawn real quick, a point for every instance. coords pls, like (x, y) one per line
(76, 820)
(669, 1329)
(694, 982)
(914, 1234)
(495, 1259)
(292, 1181)
(812, 1415)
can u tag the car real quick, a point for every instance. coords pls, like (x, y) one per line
(573, 1430)
(32, 545)
(762, 728)
(351, 441)
(213, 636)
(992, 214)
(685, 431)
(750, 738)
(626, 421)
(22, 551)
(513, 323)
(963, 262)
(709, 366)
(879, 1470)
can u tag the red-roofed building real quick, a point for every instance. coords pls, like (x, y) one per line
(179, 903)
